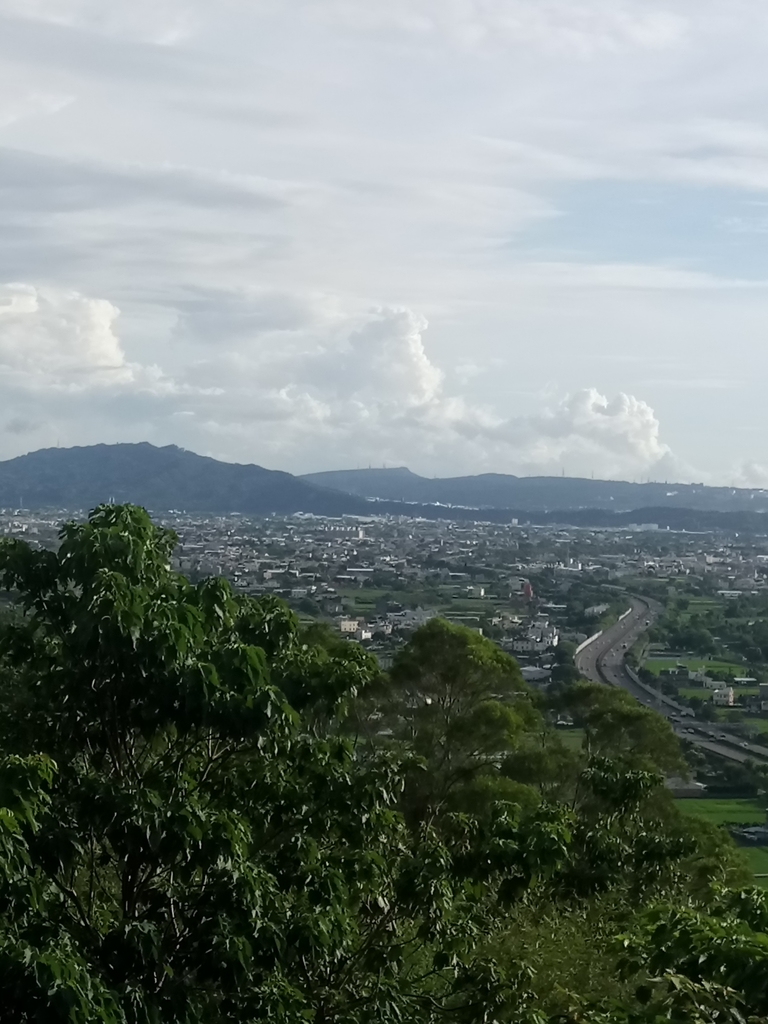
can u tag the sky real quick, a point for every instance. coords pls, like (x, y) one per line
(514, 236)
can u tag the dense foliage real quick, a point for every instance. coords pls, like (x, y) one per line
(207, 815)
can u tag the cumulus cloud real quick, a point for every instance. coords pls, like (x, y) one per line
(381, 365)
(399, 153)
(58, 339)
(365, 389)
(53, 340)
(585, 429)
(301, 385)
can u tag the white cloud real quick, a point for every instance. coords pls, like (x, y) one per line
(581, 26)
(348, 391)
(163, 22)
(31, 104)
(382, 364)
(247, 181)
(58, 339)
(54, 340)
(620, 435)
(751, 474)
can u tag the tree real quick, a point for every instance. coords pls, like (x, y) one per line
(179, 842)
(565, 652)
(460, 704)
(189, 833)
(616, 726)
(707, 711)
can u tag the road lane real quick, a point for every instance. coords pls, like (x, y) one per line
(602, 661)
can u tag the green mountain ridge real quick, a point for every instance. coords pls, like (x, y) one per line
(160, 478)
(535, 493)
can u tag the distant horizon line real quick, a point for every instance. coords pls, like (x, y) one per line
(384, 468)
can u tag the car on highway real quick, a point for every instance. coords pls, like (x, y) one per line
(723, 736)
(745, 745)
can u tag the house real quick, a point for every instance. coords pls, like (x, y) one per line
(713, 684)
(407, 619)
(532, 674)
(724, 697)
(685, 787)
(540, 637)
(348, 625)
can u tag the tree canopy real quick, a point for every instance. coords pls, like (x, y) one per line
(195, 827)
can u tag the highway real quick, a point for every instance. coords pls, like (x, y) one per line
(602, 661)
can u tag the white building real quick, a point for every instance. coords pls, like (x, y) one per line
(724, 697)
(531, 674)
(596, 610)
(541, 636)
(411, 619)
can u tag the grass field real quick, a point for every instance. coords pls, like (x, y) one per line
(758, 862)
(571, 738)
(448, 600)
(656, 665)
(694, 691)
(724, 812)
(727, 812)
(700, 691)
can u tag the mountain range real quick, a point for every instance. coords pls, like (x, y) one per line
(169, 478)
(161, 479)
(537, 493)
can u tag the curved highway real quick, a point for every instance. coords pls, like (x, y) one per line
(602, 661)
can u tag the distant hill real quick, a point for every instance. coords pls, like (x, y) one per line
(161, 479)
(172, 478)
(538, 493)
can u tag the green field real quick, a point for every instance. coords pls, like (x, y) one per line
(757, 858)
(700, 691)
(723, 812)
(449, 600)
(656, 665)
(694, 691)
(571, 738)
(727, 812)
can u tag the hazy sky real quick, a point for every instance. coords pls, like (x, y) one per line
(461, 235)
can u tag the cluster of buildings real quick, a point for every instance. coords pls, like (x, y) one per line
(379, 578)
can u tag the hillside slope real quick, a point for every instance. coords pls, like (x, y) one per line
(160, 478)
(497, 490)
